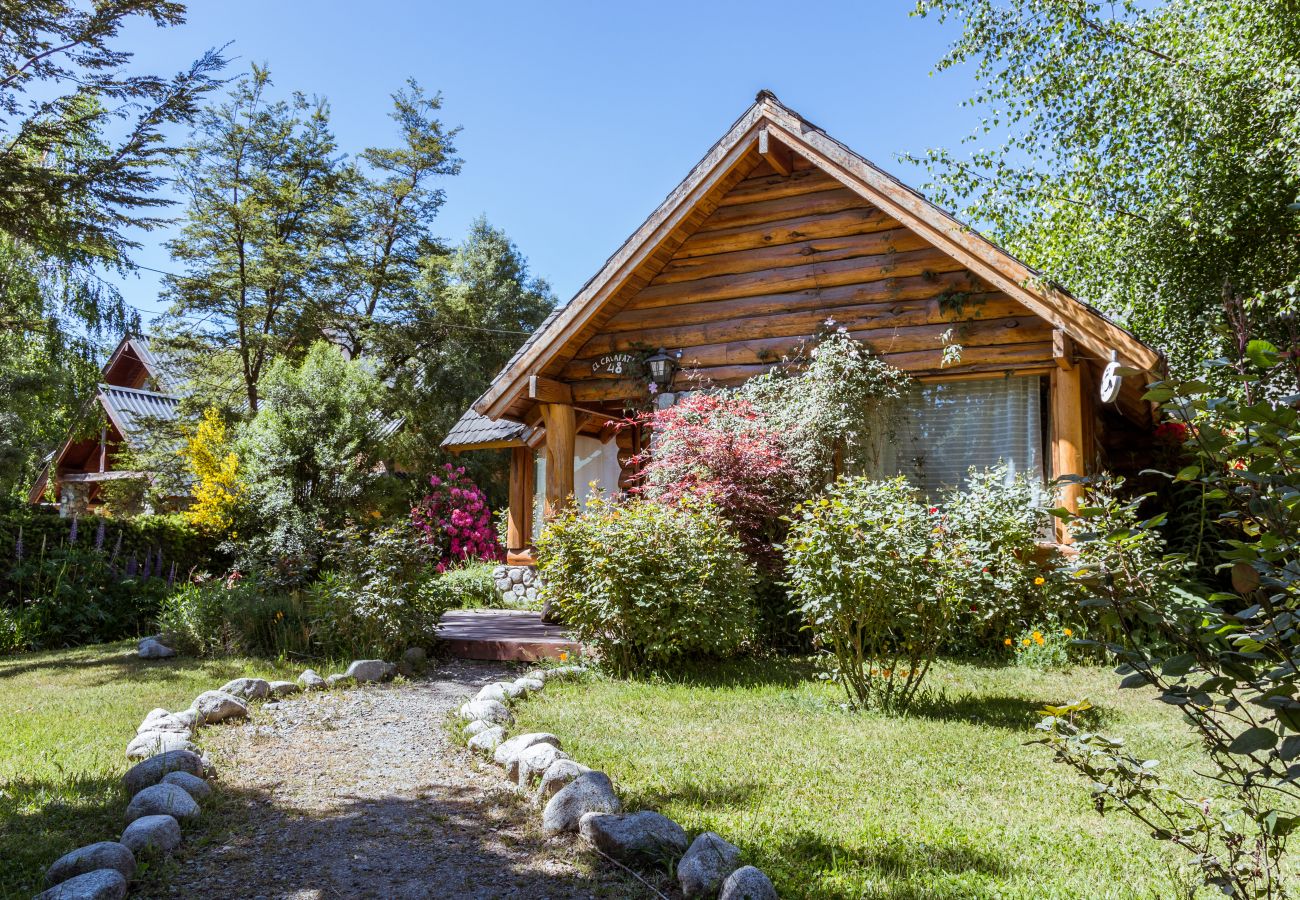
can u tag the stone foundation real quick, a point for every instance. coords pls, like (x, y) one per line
(518, 585)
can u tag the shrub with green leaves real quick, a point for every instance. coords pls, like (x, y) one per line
(873, 591)
(992, 527)
(648, 584)
(235, 615)
(378, 595)
(469, 586)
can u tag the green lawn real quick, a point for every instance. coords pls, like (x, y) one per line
(65, 719)
(946, 803)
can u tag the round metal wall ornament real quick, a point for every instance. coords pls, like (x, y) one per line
(1111, 380)
(617, 364)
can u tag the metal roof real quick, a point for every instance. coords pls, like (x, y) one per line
(474, 430)
(130, 409)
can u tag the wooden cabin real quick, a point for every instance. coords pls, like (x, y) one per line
(778, 229)
(133, 392)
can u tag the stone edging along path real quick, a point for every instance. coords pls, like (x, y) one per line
(574, 797)
(171, 780)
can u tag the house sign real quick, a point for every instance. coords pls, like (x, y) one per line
(617, 364)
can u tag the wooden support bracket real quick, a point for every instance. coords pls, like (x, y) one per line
(778, 155)
(548, 390)
(1062, 349)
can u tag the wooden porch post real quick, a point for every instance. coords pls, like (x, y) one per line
(519, 524)
(561, 430)
(1068, 455)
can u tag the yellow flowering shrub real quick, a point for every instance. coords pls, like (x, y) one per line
(217, 488)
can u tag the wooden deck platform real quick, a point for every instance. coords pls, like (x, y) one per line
(504, 634)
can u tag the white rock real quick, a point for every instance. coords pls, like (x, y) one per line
(529, 684)
(333, 682)
(285, 688)
(589, 792)
(215, 706)
(706, 865)
(151, 648)
(747, 883)
(493, 711)
(162, 800)
(101, 855)
(371, 670)
(556, 777)
(168, 722)
(529, 764)
(152, 743)
(187, 717)
(311, 681)
(247, 688)
(503, 691)
(475, 727)
(507, 750)
(196, 787)
(158, 834)
(101, 884)
(152, 770)
(643, 836)
(487, 740)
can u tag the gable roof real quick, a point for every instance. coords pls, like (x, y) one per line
(768, 120)
(129, 408)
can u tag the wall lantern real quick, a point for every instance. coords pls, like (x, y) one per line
(661, 367)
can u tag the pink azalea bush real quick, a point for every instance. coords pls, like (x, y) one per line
(454, 519)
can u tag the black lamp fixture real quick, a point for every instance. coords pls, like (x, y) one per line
(661, 366)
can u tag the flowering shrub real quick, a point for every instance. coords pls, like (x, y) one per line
(1044, 646)
(874, 592)
(990, 531)
(454, 519)
(648, 584)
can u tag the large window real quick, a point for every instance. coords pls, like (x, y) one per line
(949, 427)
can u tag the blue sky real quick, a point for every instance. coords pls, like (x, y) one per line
(579, 117)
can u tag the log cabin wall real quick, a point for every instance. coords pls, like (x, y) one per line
(779, 256)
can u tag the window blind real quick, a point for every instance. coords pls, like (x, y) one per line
(951, 426)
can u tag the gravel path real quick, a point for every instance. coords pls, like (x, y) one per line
(364, 793)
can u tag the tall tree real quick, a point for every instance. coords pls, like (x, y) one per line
(475, 307)
(82, 146)
(1147, 156)
(392, 212)
(268, 193)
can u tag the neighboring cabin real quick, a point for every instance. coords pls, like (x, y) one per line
(778, 229)
(133, 392)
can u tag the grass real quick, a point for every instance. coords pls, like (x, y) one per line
(65, 719)
(947, 802)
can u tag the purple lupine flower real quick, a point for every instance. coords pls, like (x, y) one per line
(131, 566)
(18, 547)
(72, 534)
(99, 536)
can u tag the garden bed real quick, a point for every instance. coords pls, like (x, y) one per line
(945, 802)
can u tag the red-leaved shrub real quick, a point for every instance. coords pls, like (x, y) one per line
(717, 446)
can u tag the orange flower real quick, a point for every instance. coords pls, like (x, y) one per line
(1025, 642)
(1007, 642)
(1068, 632)
(564, 655)
(1038, 638)
(1040, 580)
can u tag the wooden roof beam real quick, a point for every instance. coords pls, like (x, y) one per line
(777, 154)
(548, 390)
